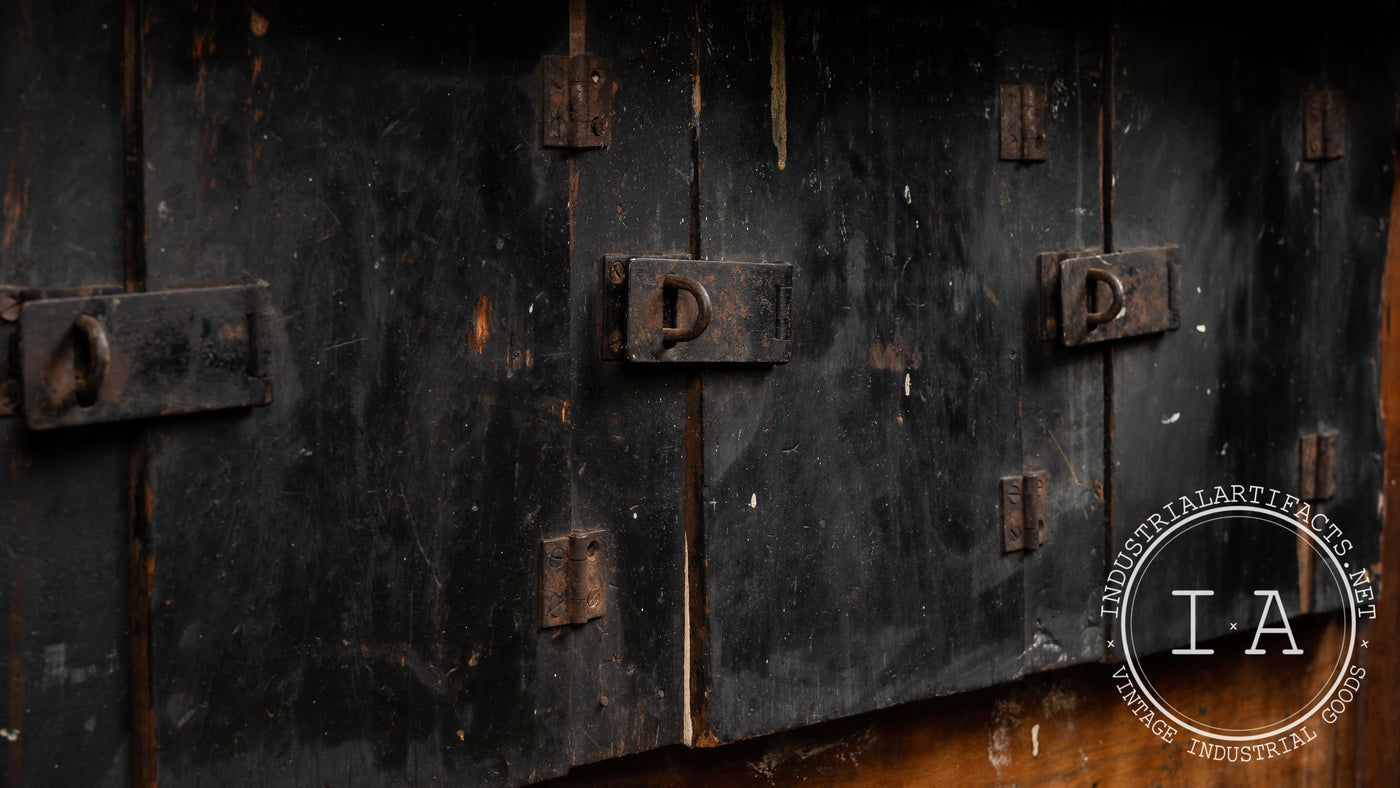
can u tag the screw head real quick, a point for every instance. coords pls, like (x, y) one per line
(615, 342)
(617, 272)
(594, 597)
(10, 304)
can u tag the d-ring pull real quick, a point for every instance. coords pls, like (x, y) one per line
(92, 356)
(1116, 285)
(702, 298)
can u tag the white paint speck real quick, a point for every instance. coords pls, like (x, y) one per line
(634, 515)
(907, 382)
(908, 198)
(1035, 740)
(531, 310)
(1224, 447)
(753, 501)
(10, 734)
(1201, 327)
(1172, 419)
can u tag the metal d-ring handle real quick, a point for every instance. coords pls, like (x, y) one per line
(87, 377)
(1116, 285)
(702, 298)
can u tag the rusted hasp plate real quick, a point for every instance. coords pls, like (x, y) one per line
(132, 356)
(1087, 297)
(696, 311)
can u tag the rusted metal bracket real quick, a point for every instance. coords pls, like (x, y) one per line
(96, 358)
(1318, 456)
(577, 101)
(1324, 124)
(1023, 511)
(573, 578)
(677, 310)
(1022, 123)
(12, 301)
(1086, 297)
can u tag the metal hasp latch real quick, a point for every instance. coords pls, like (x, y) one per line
(1087, 297)
(658, 309)
(102, 358)
(1324, 124)
(1022, 123)
(577, 96)
(1318, 455)
(573, 587)
(1023, 515)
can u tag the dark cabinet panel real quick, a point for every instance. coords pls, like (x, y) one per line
(852, 513)
(1281, 259)
(64, 578)
(347, 582)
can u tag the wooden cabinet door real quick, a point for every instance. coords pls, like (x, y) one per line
(346, 583)
(851, 508)
(1281, 255)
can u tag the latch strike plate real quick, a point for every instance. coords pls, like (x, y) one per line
(1088, 297)
(577, 95)
(1022, 123)
(1023, 511)
(678, 310)
(1318, 455)
(573, 583)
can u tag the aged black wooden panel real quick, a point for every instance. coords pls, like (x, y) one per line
(1281, 259)
(348, 590)
(64, 578)
(851, 506)
(627, 425)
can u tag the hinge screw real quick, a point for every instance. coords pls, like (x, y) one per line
(617, 272)
(615, 342)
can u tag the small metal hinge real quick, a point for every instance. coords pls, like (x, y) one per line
(93, 356)
(1318, 455)
(1022, 123)
(1023, 511)
(1324, 124)
(1088, 297)
(677, 310)
(577, 101)
(573, 581)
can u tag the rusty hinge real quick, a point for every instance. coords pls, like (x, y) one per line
(1324, 124)
(1023, 515)
(1022, 122)
(573, 578)
(1318, 456)
(577, 96)
(664, 309)
(1089, 297)
(93, 357)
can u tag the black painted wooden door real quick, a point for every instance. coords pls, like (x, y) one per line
(342, 588)
(851, 509)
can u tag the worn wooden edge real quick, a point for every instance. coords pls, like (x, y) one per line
(1378, 759)
(1066, 727)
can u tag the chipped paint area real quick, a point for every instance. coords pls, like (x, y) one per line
(848, 749)
(777, 61)
(753, 501)
(1006, 716)
(481, 327)
(1035, 740)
